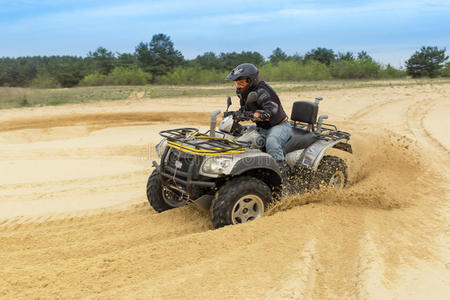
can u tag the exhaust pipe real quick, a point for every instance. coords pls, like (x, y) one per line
(212, 128)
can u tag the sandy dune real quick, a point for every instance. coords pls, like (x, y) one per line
(74, 219)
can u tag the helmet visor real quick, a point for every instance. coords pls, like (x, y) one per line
(241, 83)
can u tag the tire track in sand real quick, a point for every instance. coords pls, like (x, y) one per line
(371, 268)
(374, 107)
(137, 254)
(416, 114)
(369, 109)
(96, 121)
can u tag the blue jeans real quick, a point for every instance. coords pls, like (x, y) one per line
(276, 137)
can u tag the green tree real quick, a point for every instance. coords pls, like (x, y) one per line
(296, 58)
(426, 62)
(252, 57)
(101, 60)
(17, 71)
(347, 56)
(67, 70)
(323, 55)
(363, 55)
(233, 59)
(208, 61)
(446, 71)
(391, 72)
(126, 60)
(158, 57)
(230, 60)
(277, 56)
(144, 56)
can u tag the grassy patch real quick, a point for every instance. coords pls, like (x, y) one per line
(14, 97)
(25, 97)
(350, 84)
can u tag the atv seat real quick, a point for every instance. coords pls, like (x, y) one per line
(303, 112)
(300, 139)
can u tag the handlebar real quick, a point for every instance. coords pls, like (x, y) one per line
(239, 115)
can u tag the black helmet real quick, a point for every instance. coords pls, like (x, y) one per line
(244, 71)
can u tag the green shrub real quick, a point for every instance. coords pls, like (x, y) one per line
(356, 69)
(283, 71)
(119, 76)
(24, 102)
(93, 79)
(44, 80)
(343, 69)
(391, 72)
(295, 71)
(446, 70)
(126, 76)
(314, 70)
(192, 75)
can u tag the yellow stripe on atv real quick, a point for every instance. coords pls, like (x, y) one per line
(203, 151)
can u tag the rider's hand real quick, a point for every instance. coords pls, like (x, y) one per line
(260, 115)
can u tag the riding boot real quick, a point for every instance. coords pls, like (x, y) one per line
(284, 171)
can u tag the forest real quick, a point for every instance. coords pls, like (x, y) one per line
(158, 62)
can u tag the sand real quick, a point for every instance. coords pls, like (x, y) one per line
(75, 222)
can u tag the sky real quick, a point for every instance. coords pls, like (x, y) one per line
(390, 31)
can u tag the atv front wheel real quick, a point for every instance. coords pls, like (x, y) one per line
(240, 200)
(154, 193)
(332, 172)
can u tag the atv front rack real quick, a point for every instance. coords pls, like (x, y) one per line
(191, 141)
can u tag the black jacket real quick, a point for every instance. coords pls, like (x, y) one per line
(267, 100)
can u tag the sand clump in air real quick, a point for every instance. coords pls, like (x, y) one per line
(374, 179)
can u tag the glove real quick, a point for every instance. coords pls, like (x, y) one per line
(248, 115)
(260, 115)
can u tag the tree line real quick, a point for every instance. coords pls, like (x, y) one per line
(159, 62)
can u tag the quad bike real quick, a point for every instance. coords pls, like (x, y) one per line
(228, 171)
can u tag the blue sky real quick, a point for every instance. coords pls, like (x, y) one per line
(390, 31)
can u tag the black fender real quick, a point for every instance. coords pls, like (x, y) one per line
(344, 147)
(261, 163)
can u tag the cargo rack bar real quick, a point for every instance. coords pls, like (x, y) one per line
(201, 143)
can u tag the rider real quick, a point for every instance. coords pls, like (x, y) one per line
(268, 113)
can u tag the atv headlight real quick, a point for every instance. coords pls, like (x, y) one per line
(216, 165)
(161, 147)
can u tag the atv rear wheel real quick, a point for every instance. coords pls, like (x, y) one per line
(332, 172)
(240, 200)
(155, 193)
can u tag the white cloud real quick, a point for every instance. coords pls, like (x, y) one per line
(138, 9)
(368, 8)
(80, 25)
(75, 11)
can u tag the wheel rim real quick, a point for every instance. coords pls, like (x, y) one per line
(247, 208)
(337, 180)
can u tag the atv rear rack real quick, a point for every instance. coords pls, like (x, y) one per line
(191, 141)
(330, 132)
